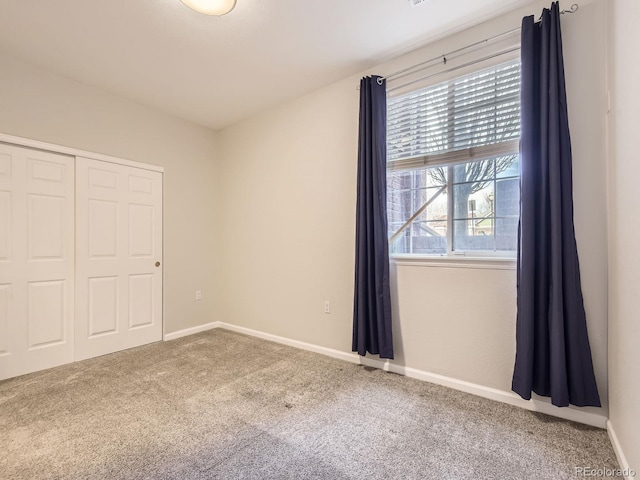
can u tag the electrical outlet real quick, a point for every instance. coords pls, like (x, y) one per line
(198, 294)
(327, 306)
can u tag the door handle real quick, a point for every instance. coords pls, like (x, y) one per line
(157, 264)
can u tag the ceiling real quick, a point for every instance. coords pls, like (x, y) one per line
(216, 71)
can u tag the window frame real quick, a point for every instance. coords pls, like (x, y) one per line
(501, 259)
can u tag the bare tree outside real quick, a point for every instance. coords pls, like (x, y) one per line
(474, 177)
(435, 135)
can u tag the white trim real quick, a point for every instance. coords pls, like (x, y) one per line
(330, 352)
(454, 261)
(190, 331)
(75, 152)
(509, 398)
(617, 448)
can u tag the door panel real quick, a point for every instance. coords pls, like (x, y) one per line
(141, 302)
(5, 226)
(119, 241)
(5, 307)
(36, 260)
(46, 227)
(103, 306)
(141, 231)
(46, 313)
(103, 228)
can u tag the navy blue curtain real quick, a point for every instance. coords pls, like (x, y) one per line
(372, 299)
(553, 356)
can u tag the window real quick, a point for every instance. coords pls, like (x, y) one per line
(452, 165)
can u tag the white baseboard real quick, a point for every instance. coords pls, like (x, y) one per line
(510, 398)
(347, 356)
(622, 459)
(190, 331)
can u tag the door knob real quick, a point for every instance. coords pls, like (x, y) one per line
(157, 264)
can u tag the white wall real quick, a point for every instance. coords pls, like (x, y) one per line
(42, 106)
(624, 256)
(288, 181)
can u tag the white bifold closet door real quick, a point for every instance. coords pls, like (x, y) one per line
(118, 255)
(36, 260)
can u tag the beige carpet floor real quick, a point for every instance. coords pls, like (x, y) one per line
(219, 405)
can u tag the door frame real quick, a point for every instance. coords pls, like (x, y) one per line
(75, 152)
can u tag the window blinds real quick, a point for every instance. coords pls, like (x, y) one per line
(473, 117)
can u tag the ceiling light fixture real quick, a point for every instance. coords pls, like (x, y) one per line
(211, 7)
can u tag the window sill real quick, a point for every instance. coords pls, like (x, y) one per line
(454, 261)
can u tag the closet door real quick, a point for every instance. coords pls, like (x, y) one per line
(118, 257)
(36, 260)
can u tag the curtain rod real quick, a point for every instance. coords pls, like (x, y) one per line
(457, 67)
(456, 53)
